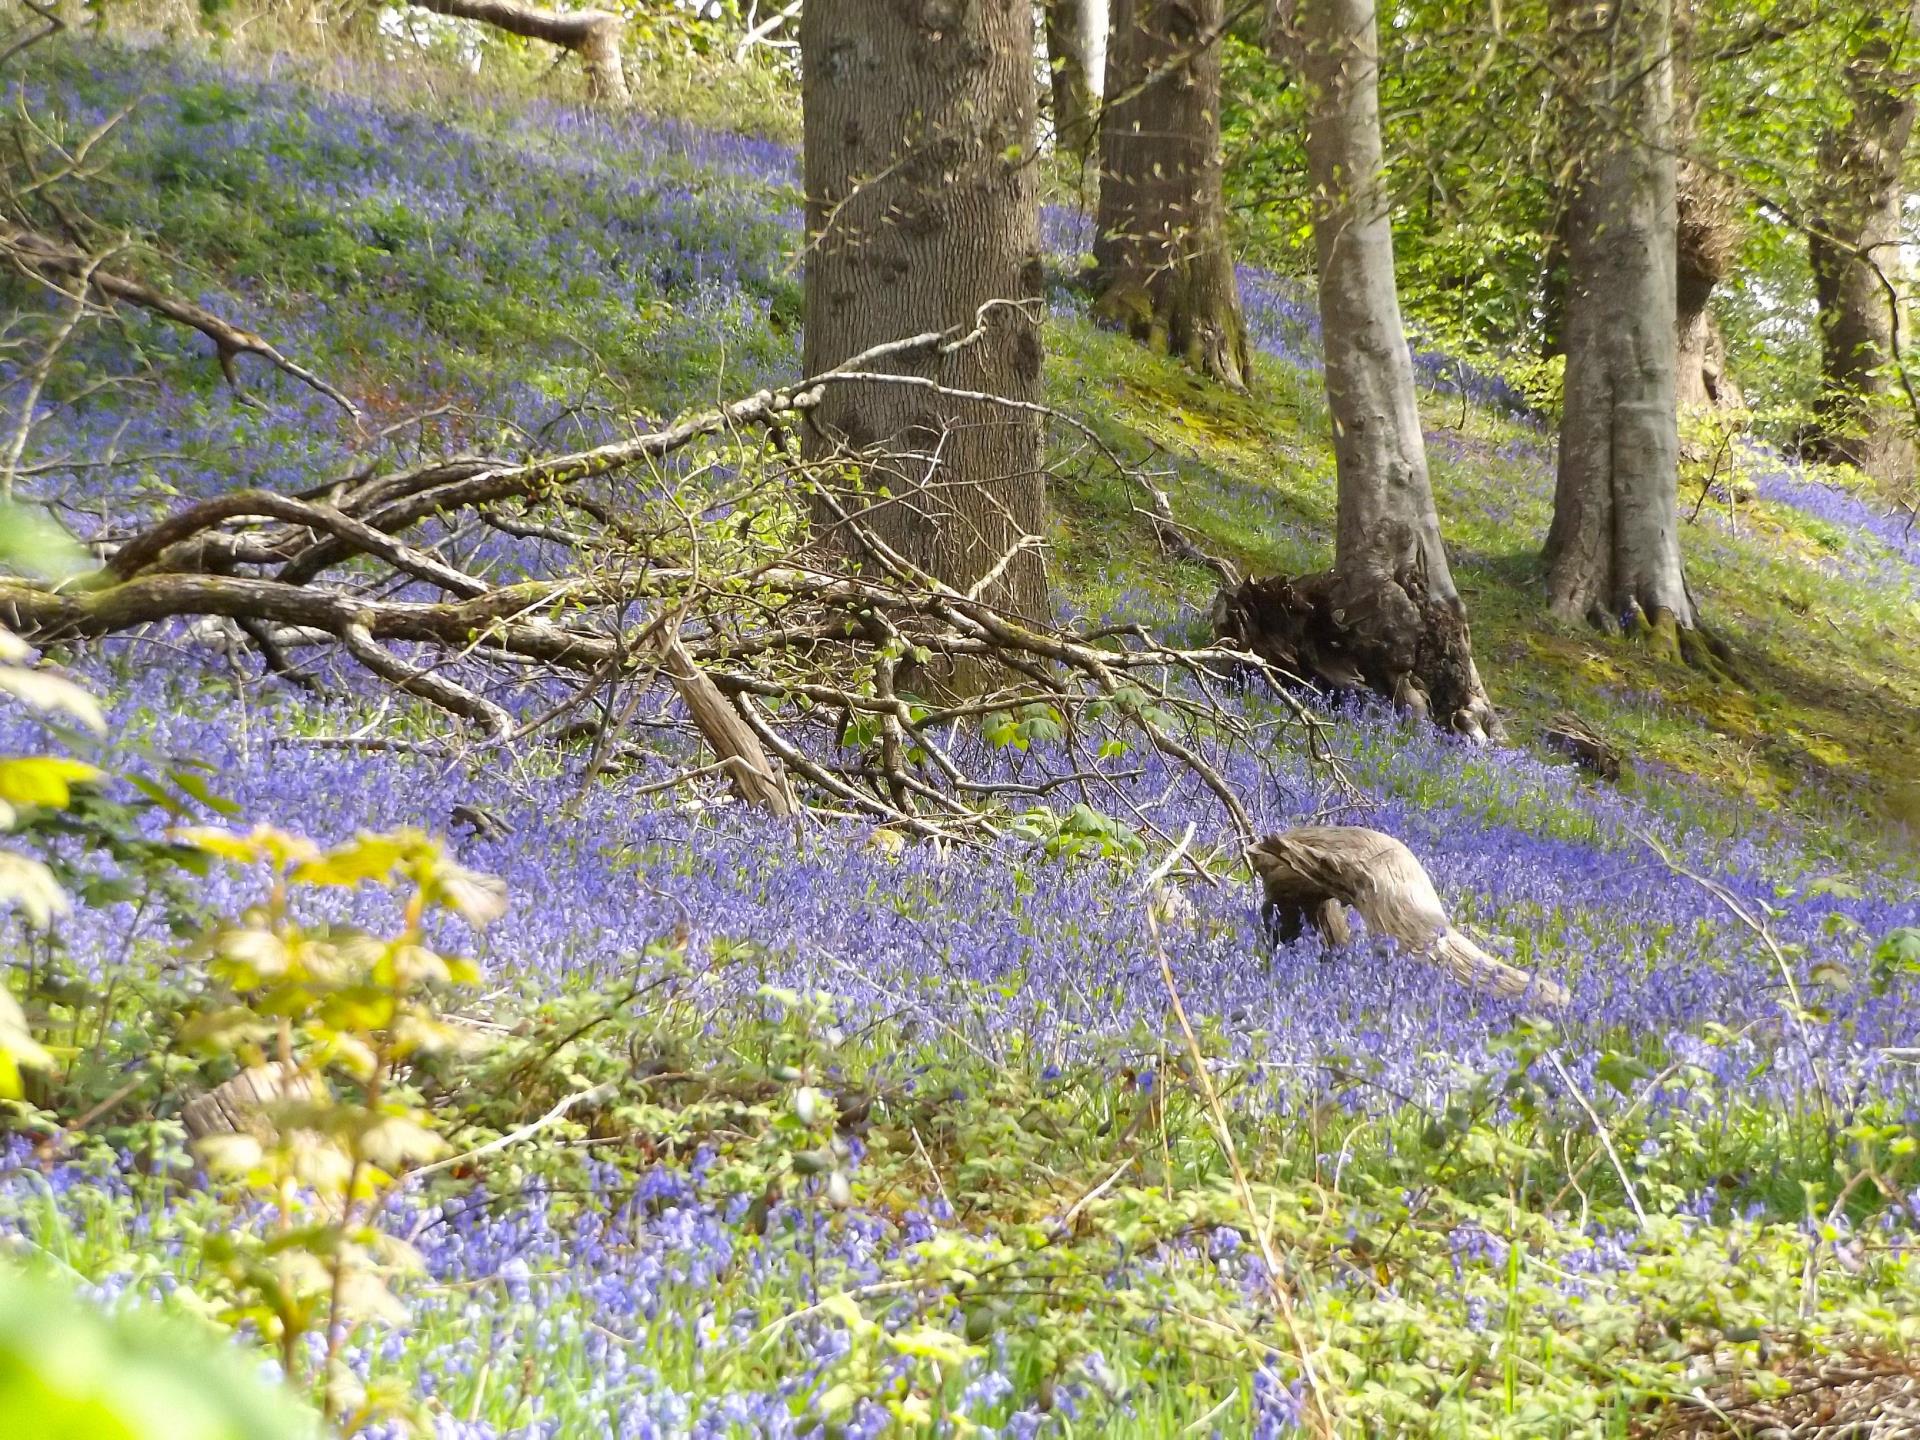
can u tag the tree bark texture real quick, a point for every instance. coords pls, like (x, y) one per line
(1707, 238)
(593, 35)
(1387, 531)
(1310, 874)
(1070, 52)
(1162, 266)
(918, 121)
(1855, 253)
(1613, 551)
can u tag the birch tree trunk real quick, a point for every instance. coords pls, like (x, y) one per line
(1162, 266)
(1855, 253)
(1386, 525)
(1613, 551)
(918, 120)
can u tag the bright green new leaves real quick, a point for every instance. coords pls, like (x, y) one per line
(341, 1012)
(71, 1373)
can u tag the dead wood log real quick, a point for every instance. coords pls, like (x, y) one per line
(1388, 634)
(238, 1106)
(727, 732)
(593, 35)
(1573, 737)
(1312, 873)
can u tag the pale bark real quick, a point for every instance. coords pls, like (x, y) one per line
(755, 778)
(1385, 522)
(1070, 52)
(1613, 551)
(1308, 875)
(1855, 253)
(593, 35)
(921, 208)
(1162, 266)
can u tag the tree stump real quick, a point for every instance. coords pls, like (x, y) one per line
(1311, 874)
(1387, 634)
(1573, 737)
(239, 1106)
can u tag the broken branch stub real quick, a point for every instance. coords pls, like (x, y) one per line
(727, 733)
(1312, 873)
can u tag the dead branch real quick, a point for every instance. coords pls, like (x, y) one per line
(52, 261)
(593, 35)
(796, 671)
(45, 25)
(1310, 873)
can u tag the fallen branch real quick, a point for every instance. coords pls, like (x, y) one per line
(1309, 873)
(53, 261)
(593, 35)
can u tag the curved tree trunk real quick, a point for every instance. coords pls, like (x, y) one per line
(1855, 253)
(1390, 564)
(1070, 58)
(918, 122)
(593, 35)
(1162, 267)
(1706, 239)
(1613, 551)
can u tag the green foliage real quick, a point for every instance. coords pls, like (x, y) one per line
(335, 1005)
(68, 1372)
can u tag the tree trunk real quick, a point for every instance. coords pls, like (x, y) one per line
(1855, 253)
(1162, 267)
(918, 121)
(1613, 551)
(593, 35)
(1707, 238)
(1387, 531)
(1070, 48)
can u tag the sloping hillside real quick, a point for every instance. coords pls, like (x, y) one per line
(1494, 1225)
(670, 281)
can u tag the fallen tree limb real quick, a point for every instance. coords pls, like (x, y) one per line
(52, 260)
(593, 35)
(1309, 873)
(800, 672)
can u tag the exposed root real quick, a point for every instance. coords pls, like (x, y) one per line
(1384, 634)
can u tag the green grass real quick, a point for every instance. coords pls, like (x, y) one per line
(1820, 721)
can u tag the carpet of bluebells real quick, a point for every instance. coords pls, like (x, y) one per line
(528, 279)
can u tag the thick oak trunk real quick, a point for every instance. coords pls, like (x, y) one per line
(1070, 62)
(1162, 266)
(1855, 253)
(593, 35)
(921, 209)
(1393, 585)
(1613, 551)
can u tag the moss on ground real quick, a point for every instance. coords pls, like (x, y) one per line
(1819, 718)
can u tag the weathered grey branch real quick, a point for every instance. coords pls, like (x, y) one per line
(1310, 872)
(593, 35)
